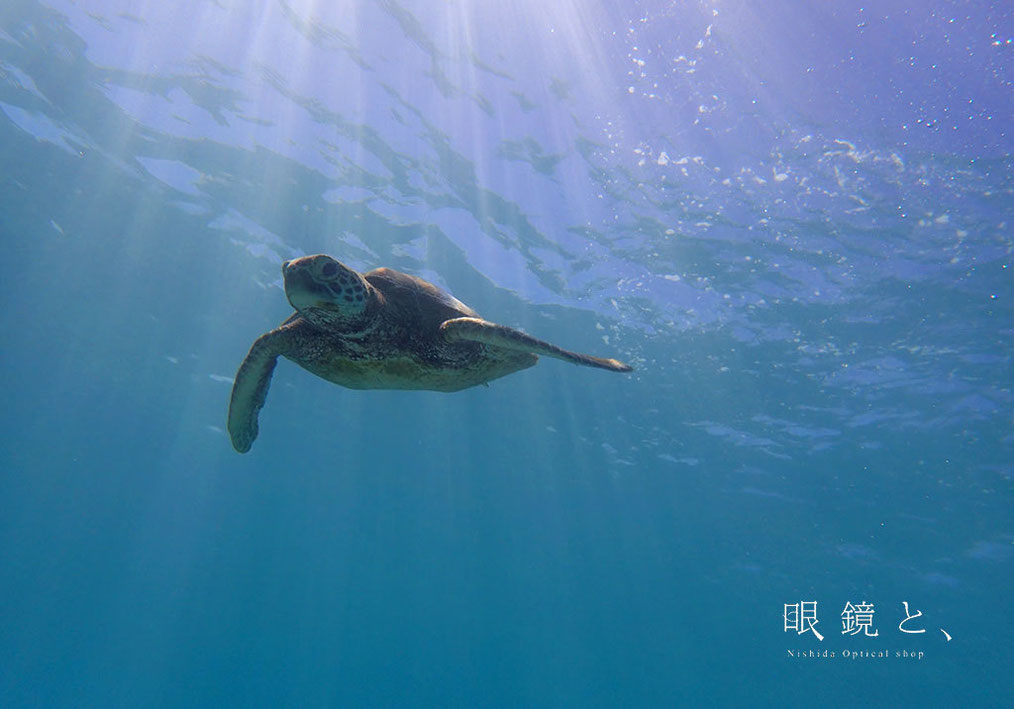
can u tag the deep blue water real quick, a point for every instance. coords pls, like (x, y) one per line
(794, 219)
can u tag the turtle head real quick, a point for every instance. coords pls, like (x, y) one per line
(325, 291)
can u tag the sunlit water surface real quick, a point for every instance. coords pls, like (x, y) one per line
(794, 219)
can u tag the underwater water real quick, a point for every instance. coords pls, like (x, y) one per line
(793, 219)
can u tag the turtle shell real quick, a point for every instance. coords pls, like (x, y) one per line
(417, 303)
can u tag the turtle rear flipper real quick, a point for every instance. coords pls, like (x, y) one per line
(250, 388)
(477, 330)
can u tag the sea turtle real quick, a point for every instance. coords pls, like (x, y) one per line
(380, 330)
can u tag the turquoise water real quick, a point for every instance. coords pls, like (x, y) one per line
(794, 221)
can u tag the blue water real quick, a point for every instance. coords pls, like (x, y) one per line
(794, 219)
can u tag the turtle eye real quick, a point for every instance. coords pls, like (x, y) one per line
(329, 269)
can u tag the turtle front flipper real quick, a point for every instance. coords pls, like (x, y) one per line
(250, 388)
(476, 330)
